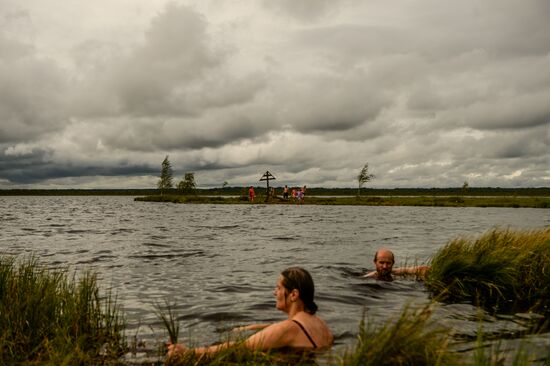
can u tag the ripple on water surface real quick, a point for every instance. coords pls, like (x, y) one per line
(219, 264)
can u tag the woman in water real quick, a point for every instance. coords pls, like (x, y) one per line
(302, 329)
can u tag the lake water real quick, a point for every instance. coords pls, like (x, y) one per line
(219, 263)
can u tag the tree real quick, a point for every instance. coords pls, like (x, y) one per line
(187, 185)
(165, 181)
(225, 184)
(465, 187)
(364, 177)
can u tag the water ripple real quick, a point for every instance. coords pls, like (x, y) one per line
(219, 264)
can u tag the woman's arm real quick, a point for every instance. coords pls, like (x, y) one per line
(251, 327)
(271, 336)
(180, 348)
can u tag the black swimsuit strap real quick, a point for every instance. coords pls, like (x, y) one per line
(305, 332)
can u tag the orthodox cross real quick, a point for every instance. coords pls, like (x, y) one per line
(267, 176)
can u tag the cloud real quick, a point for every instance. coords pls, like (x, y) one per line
(429, 94)
(305, 10)
(32, 96)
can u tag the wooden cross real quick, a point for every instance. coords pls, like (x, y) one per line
(267, 176)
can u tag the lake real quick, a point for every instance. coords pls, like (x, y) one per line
(219, 263)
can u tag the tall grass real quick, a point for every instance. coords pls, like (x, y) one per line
(410, 340)
(48, 318)
(502, 270)
(413, 338)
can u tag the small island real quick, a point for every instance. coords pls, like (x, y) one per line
(435, 197)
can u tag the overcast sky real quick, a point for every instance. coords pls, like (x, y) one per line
(431, 93)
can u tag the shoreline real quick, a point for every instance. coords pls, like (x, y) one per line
(427, 201)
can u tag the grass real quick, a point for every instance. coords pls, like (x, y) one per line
(240, 355)
(169, 320)
(502, 270)
(440, 201)
(48, 318)
(413, 338)
(410, 340)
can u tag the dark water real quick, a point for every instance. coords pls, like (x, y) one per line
(219, 263)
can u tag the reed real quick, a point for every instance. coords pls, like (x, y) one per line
(414, 338)
(48, 318)
(502, 270)
(169, 319)
(240, 355)
(410, 340)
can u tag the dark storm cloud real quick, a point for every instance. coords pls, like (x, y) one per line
(37, 168)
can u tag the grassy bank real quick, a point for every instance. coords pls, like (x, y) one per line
(47, 318)
(441, 201)
(502, 270)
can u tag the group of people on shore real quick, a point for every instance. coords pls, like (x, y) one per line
(294, 295)
(297, 194)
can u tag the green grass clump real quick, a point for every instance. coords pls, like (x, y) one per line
(47, 318)
(502, 270)
(241, 355)
(411, 340)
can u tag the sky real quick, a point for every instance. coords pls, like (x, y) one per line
(429, 93)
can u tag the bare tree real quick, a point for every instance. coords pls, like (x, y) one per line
(364, 177)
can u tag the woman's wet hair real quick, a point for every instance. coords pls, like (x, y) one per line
(300, 279)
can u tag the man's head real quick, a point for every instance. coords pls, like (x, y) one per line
(384, 260)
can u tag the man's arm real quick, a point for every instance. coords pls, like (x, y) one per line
(370, 274)
(419, 271)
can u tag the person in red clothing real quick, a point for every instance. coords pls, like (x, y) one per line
(251, 194)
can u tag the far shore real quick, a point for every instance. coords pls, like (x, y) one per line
(537, 197)
(439, 201)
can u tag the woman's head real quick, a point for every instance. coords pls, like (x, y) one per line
(296, 278)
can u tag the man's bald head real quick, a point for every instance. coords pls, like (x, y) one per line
(384, 260)
(384, 252)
